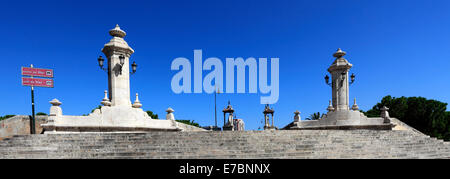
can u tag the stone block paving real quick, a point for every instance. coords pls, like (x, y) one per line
(321, 144)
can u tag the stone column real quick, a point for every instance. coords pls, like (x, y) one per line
(169, 115)
(272, 120)
(339, 79)
(385, 114)
(266, 121)
(224, 119)
(55, 113)
(118, 74)
(55, 110)
(297, 117)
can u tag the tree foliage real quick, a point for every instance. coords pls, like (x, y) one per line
(189, 122)
(98, 107)
(314, 116)
(6, 117)
(426, 115)
(152, 115)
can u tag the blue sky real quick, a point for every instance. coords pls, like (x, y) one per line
(398, 48)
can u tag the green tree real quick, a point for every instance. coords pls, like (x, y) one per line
(98, 107)
(152, 115)
(314, 116)
(6, 117)
(188, 122)
(426, 115)
(41, 114)
(447, 133)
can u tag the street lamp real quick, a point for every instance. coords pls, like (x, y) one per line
(133, 67)
(101, 61)
(121, 60)
(352, 78)
(343, 74)
(327, 78)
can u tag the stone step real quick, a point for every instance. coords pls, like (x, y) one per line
(237, 144)
(279, 139)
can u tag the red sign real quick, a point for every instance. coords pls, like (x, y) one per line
(26, 81)
(27, 71)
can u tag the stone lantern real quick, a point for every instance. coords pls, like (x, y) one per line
(266, 112)
(228, 124)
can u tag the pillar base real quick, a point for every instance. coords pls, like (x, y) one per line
(342, 119)
(109, 119)
(270, 128)
(228, 128)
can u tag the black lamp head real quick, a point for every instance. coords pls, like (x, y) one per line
(100, 61)
(122, 59)
(134, 67)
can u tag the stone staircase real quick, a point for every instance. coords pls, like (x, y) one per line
(228, 145)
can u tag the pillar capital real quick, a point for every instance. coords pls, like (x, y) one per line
(117, 45)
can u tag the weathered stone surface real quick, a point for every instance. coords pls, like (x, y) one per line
(109, 117)
(117, 112)
(20, 125)
(339, 115)
(229, 144)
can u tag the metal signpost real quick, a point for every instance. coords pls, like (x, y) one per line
(216, 91)
(38, 82)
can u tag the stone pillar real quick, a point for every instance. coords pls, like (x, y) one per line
(339, 80)
(137, 103)
(118, 74)
(266, 121)
(169, 115)
(105, 100)
(272, 120)
(385, 114)
(297, 117)
(55, 110)
(55, 113)
(330, 107)
(355, 106)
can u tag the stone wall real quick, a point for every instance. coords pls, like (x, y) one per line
(19, 125)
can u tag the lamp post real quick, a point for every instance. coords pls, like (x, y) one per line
(327, 79)
(101, 61)
(340, 81)
(352, 78)
(216, 91)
